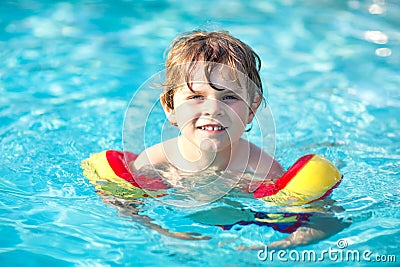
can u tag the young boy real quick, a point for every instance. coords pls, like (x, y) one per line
(211, 92)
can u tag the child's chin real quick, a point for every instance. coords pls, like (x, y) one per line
(208, 145)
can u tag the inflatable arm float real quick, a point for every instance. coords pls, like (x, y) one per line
(309, 179)
(110, 175)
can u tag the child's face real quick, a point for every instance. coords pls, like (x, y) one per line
(212, 119)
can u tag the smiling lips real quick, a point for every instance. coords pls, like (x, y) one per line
(212, 128)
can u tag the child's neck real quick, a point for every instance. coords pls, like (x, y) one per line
(191, 158)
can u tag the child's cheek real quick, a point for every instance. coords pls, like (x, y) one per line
(240, 111)
(185, 113)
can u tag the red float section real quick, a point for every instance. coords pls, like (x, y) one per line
(310, 178)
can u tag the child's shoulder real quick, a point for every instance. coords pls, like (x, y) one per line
(262, 163)
(152, 156)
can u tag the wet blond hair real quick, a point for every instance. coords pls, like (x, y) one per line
(186, 50)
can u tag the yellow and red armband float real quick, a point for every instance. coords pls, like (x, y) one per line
(310, 178)
(110, 175)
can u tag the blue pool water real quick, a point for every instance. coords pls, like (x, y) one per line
(69, 69)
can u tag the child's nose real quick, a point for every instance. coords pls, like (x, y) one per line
(213, 107)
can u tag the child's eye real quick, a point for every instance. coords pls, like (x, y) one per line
(230, 97)
(195, 97)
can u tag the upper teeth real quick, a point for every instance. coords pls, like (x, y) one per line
(212, 128)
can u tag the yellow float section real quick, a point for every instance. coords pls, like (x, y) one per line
(99, 173)
(312, 181)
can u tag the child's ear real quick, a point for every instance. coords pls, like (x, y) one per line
(253, 108)
(169, 112)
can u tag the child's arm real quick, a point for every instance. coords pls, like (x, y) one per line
(131, 209)
(320, 226)
(264, 164)
(151, 156)
(265, 168)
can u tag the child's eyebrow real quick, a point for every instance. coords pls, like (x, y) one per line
(216, 86)
(221, 87)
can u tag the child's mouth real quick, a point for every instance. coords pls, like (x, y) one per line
(212, 128)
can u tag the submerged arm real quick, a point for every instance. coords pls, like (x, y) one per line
(320, 226)
(131, 209)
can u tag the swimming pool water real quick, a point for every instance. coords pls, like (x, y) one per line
(69, 69)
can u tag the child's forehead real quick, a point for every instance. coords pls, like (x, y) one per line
(220, 77)
(201, 70)
(222, 87)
